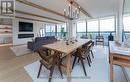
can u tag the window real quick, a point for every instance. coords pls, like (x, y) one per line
(95, 26)
(50, 29)
(92, 26)
(42, 32)
(61, 30)
(81, 26)
(59, 26)
(107, 24)
(81, 29)
(126, 21)
(64, 26)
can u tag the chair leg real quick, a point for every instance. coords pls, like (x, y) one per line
(60, 71)
(89, 59)
(39, 71)
(88, 62)
(74, 61)
(83, 67)
(51, 73)
(78, 60)
(92, 53)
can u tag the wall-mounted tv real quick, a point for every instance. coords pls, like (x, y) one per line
(25, 27)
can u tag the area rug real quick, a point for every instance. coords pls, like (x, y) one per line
(20, 50)
(98, 72)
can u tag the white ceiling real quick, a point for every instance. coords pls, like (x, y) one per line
(33, 10)
(96, 8)
(99, 8)
(127, 6)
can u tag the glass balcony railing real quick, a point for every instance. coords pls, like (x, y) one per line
(126, 35)
(92, 35)
(58, 34)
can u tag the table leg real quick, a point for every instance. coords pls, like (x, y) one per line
(111, 69)
(69, 68)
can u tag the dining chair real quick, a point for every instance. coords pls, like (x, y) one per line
(91, 49)
(100, 39)
(78, 55)
(49, 62)
(88, 52)
(81, 54)
(89, 46)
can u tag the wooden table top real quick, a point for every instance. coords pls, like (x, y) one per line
(118, 49)
(67, 49)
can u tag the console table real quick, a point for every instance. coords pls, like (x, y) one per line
(118, 56)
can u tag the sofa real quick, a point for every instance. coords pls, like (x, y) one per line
(39, 41)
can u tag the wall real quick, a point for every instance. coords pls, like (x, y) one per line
(5, 21)
(5, 37)
(36, 26)
(5, 34)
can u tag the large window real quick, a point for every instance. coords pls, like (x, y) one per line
(92, 26)
(102, 26)
(42, 32)
(126, 21)
(107, 24)
(81, 28)
(61, 30)
(60, 26)
(55, 30)
(50, 30)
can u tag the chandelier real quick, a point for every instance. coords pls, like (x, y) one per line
(72, 12)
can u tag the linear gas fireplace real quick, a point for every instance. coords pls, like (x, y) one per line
(20, 36)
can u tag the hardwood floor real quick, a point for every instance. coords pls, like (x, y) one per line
(12, 67)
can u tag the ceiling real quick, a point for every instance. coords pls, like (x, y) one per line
(99, 8)
(96, 8)
(127, 6)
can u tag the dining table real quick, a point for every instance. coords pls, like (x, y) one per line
(67, 49)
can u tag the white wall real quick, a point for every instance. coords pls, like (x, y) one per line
(36, 26)
(5, 21)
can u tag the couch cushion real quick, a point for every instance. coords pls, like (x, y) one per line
(39, 39)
